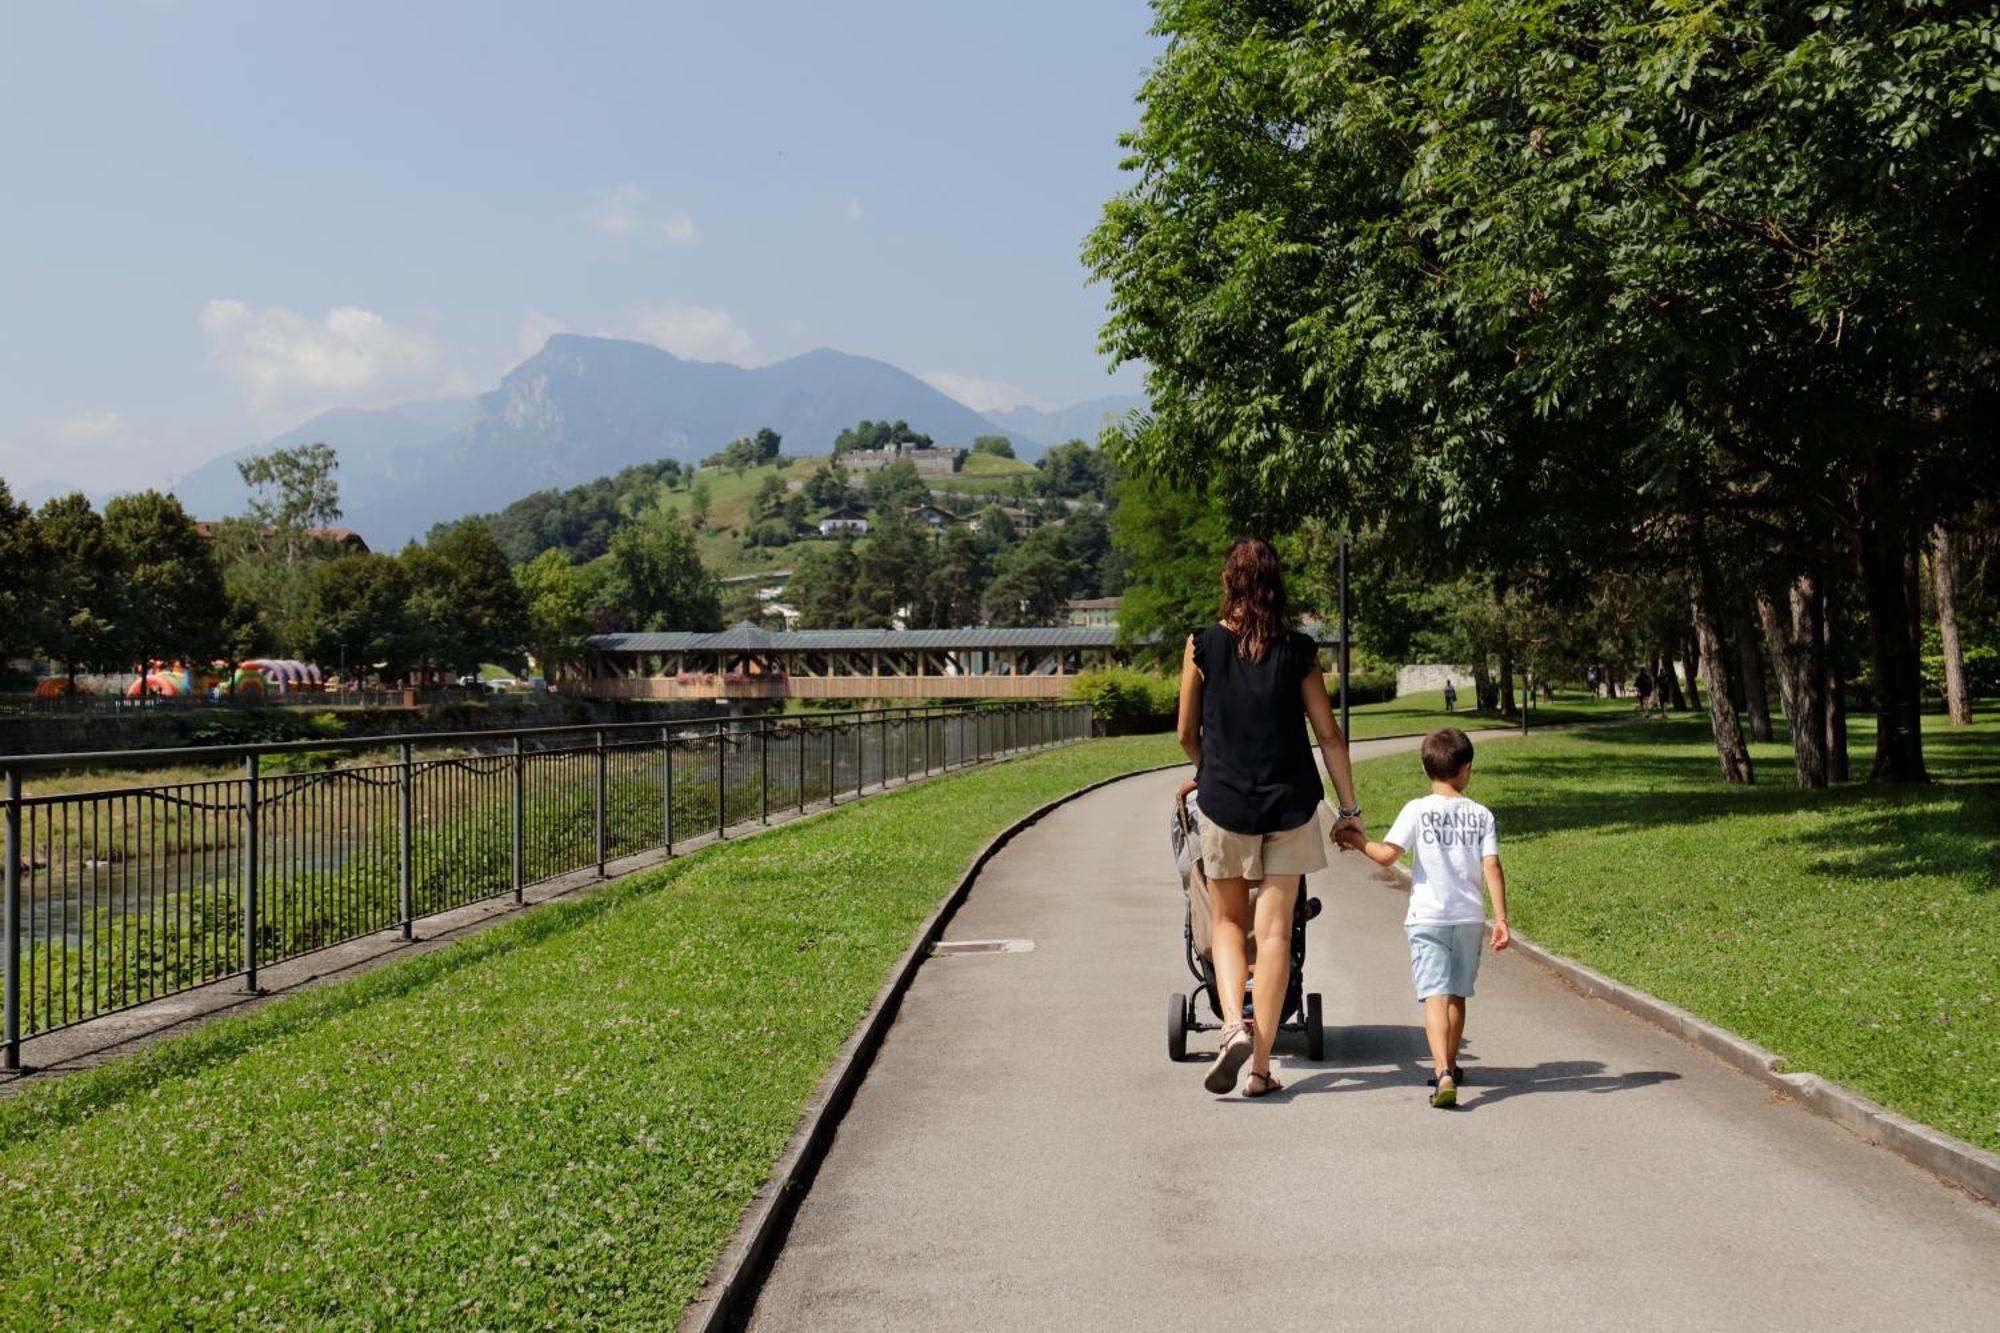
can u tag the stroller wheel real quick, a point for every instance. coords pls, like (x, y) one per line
(1315, 1029)
(1177, 1011)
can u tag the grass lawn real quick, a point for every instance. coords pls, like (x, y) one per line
(1415, 714)
(557, 1122)
(1855, 931)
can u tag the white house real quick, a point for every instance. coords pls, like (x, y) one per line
(843, 522)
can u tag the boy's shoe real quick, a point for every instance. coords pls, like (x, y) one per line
(1229, 1060)
(1444, 1093)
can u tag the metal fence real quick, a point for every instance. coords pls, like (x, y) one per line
(94, 705)
(251, 855)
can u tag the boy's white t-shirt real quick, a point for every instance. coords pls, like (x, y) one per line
(1447, 838)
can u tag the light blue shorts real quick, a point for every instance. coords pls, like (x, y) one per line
(1444, 960)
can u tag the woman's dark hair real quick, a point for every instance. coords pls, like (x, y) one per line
(1253, 597)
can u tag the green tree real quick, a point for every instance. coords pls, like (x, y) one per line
(826, 488)
(890, 575)
(23, 580)
(464, 604)
(168, 586)
(879, 435)
(1088, 534)
(80, 619)
(997, 445)
(1031, 581)
(268, 554)
(700, 498)
(659, 580)
(1173, 543)
(359, 616)
(770, 497)
(1074, 470)
(954, 587)
(996, 530)
(822, 585)
(891, 489)
(556, 598)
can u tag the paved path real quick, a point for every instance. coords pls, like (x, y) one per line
(1024, 1156)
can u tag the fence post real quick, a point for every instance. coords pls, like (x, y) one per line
(860, 753)
(597, 804)
(667, 785)
(520, 809)
(721, 787)
(12, 1036)
(764, 774)
(405, 780)
(925, 723)
(800, 732)
(250, 874)
(832, 747)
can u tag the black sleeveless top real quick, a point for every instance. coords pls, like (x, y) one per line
(1257, 772)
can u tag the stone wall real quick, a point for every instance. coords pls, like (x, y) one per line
(1429, 677)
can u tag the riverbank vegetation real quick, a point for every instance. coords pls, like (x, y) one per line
(557, 1122)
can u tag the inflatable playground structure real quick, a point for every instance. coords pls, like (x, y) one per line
(253, 679)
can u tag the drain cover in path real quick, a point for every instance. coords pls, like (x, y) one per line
(945, 947)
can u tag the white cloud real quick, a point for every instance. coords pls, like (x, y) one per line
(978, 394)
(86, 427)
(695, 331)
(280, 354)
(854, 212)
(625, 210)
(536, 328)
(620, 212)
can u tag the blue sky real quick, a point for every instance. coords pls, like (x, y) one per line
(224, 217)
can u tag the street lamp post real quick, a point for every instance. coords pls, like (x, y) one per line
(1344, 657)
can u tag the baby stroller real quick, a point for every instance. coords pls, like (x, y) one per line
(1301, 1012)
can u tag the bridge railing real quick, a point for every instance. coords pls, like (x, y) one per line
(187, 867)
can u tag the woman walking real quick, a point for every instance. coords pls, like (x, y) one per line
(1249, 684)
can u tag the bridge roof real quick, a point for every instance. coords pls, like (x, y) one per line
(747, 638)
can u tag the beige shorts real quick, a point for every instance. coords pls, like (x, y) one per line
(1296, 851)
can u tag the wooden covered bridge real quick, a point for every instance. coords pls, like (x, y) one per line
(746, 662)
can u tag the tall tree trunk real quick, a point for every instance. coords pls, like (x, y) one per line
(1756, 699)
(1730, 749)
(1898, 678)
(1691, 664)
(1808, 670)
(1506, 681)
(1778, 647)
(1957, 702)
(1667, 681)
(1836, 692)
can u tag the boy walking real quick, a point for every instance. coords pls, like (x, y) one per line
(1454, 848)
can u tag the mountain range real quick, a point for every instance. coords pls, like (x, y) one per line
(585, 407)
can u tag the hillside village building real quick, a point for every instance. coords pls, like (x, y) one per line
(843, 522)
(937, 462)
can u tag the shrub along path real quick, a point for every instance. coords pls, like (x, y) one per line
(556, 1122)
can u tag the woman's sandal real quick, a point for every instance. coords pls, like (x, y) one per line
(1236, 1047)
(1271, 1085)
(1444, 1097)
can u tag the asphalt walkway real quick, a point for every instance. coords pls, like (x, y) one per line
(1023, 1155)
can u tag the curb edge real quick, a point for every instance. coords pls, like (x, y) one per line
(729, 1291)
(1971, 1168)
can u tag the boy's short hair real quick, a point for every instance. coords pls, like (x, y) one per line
(1446, 751)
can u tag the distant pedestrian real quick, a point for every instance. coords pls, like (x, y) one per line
(1595, 675)
(1450, 696)
(1454, 846)
(1642, 685)
(1663, 686)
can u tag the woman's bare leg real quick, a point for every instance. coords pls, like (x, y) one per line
(1229, 923)
(1274, 962)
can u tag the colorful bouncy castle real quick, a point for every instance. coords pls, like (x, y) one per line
(254, 678)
